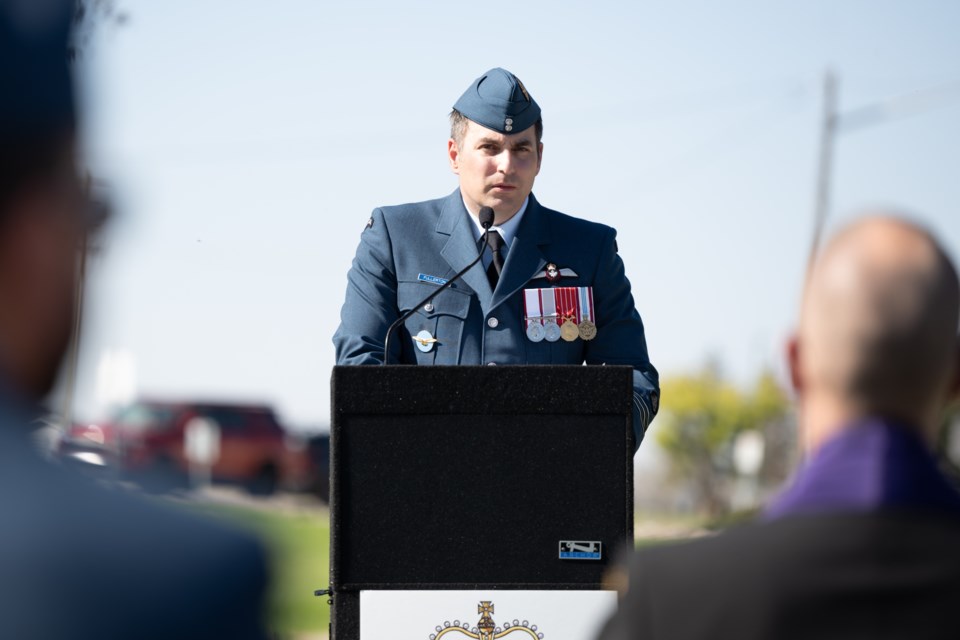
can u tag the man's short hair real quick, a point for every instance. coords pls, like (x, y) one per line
(458, 127)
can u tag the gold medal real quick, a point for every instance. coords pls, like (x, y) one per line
(569, 331)
(588, 330)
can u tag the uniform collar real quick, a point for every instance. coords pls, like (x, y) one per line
(524, 259)
(508, 230)
(871, 464)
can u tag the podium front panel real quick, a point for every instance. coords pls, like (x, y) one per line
(477, 478)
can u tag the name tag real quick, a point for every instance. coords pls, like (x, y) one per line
(431, 279)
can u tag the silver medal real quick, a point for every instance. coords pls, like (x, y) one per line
(535, 331)
(551, 330)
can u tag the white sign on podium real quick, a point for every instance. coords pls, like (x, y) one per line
(494, 614)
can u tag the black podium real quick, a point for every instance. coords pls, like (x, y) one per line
(510, 477)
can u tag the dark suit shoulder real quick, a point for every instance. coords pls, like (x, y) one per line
(793, 543)
(860, 571)
(69, 541)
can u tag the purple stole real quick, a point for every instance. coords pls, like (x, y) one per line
(872, 464)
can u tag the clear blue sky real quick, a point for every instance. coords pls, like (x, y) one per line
(247, 142)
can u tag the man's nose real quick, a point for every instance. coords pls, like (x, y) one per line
(506, 162)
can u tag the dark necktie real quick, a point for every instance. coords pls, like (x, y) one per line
(495, 241)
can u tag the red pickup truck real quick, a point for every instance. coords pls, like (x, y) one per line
(145, 443)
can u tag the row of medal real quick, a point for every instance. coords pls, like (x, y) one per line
(559, 312)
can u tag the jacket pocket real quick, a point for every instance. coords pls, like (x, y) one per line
(443, 318)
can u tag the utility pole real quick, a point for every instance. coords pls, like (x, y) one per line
(99, 213)
(833, 122)
(828, 131)
(73, 355)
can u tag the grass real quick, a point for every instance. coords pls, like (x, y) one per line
(299, 547)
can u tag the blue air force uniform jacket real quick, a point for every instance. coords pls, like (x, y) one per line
(476, 325)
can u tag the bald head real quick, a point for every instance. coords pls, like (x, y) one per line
(878, 328)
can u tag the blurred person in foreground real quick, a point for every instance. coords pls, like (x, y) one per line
(865, 541)
(76, 560)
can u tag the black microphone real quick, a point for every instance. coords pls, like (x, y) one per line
(485, 217)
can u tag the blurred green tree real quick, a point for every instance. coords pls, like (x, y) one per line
(700, 419)
(948, 446)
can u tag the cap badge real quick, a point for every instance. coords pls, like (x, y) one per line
(523, 89)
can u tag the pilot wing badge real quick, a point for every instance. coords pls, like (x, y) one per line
(424, 341)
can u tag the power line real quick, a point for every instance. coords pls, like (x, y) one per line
(901, 106)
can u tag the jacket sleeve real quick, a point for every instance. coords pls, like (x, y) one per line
(620, 335)
(370, 305)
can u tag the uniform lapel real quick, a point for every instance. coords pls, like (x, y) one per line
(461, 246)
(524, 258)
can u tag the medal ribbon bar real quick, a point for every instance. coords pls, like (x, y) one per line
(586, 303)
(551, 323)
(569, 307)
(549, 303)
(534, 323)
(531, 303)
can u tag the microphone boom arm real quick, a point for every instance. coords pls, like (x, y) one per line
(446, 285)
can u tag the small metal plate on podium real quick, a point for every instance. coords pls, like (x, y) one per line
(581, 550)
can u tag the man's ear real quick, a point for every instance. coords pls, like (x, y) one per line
(453, 154)
(539, 156)
(793, 363)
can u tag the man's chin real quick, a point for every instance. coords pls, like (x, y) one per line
(506, 206)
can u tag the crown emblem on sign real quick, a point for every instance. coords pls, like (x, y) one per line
(486, 628)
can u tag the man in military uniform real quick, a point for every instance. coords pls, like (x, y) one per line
(77, 560)
(550, 289)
